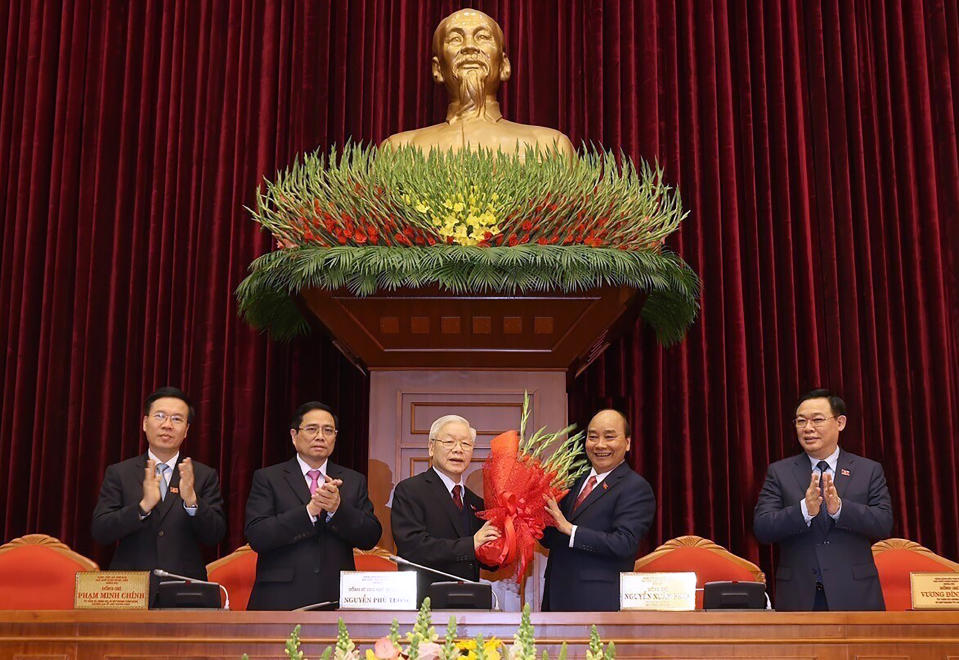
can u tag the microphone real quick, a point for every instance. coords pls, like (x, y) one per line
(457, 578)
(159, 572)
(316, 606)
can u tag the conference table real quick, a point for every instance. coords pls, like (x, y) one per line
(143, 634)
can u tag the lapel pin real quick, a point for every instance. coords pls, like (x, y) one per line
(605, 486)
(844, 472)
(174, 489)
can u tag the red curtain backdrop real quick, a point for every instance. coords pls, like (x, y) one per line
(814, 143)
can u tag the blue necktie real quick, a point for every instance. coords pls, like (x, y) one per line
(161, 470)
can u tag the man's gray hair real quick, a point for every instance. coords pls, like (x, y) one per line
(447, 419)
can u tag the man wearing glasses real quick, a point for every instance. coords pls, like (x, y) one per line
(824, 508)
(434, 514)
(159, 506)
(305, 516)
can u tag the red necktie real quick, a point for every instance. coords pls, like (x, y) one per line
(590, 484)
(458, 497)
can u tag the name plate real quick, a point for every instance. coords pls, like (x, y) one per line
(934, 591)
(378, 590)
(674, 592)
(112, 590)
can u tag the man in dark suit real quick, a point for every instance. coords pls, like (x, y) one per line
(159, 506)
(598, 525)
(824, 507)
(434, 514)
(305, 516)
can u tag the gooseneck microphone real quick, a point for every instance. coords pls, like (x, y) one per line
(159, 572)
(457, 578)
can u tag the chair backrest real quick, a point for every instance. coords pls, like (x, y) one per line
(38, 572)
(236, 572)
(376, 559)
(710, 562)
(896, 559)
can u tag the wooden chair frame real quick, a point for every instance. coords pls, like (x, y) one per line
(50, 543)
(699, 542)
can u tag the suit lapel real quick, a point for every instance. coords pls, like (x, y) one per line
(844, 471)
(296, 480)
(443, 495)
(600, 489)
(802, 470)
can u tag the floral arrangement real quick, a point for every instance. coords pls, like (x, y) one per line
(422, 643)
(517, 480)
(467, 221)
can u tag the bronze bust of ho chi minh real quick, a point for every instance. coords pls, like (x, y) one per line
(468, 59)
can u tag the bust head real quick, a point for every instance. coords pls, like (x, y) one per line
(468, 58)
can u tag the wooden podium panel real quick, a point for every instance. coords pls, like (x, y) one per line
(80, 635)
(429, 327)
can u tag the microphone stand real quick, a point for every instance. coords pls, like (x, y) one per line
(159, 572)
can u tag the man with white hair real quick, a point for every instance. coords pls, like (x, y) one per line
(434, 513)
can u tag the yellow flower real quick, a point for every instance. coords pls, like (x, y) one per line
(422, 208)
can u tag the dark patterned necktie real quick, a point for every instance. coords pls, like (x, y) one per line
(458, 496)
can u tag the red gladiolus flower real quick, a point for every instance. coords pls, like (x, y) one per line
(542, 240)
(408, 231)
(524, 239)
(553, 207)
(431, 240)
(527, 225)
(487, 235)
(359, 237)
(402, 239)
(449, 240)
(342, 239)
(483, 243)
(499, 239)
(513, 240)
(419, 239)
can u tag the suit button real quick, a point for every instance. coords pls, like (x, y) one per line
(316, 570)
(160, 533)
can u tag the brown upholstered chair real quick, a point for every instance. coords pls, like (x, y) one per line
(896, 559)
(38, 572)
(376, 559)
(236, 572)
(710, 562)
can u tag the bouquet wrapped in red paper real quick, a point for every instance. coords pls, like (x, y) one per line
(517, 481)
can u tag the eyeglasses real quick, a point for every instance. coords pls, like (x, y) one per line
(449, 443)
(161, 417)
(817, 422)
(314, 430)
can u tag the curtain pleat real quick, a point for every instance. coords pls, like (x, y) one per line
(814, 144)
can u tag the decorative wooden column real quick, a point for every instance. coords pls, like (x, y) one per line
(432, 353)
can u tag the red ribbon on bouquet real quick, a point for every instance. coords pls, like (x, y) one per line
(515, 490)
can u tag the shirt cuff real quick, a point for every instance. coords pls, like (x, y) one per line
(313, 518)
(805, 511)
(836, 516)
(190, 510)
(572, 535)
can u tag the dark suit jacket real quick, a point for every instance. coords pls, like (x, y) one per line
(168, 538)
(610, 524)
(430, 530)
(841, 549)
(299, 563)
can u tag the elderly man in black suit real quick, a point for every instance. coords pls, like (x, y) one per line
(598, 524)
(160, 507)
(824, 508)
(434, 514)
(305, 516)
